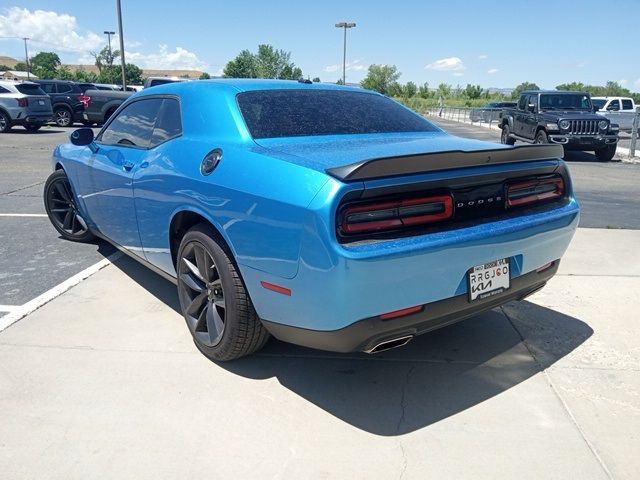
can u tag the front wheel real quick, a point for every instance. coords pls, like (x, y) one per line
(62, 209)
(605, 154)
(213, 299)
(505, 138)
(541, 137)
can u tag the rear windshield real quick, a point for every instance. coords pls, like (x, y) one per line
(28, 89)
(294, 113)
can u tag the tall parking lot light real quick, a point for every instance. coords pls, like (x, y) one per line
(345, 25)
(121, 34)
(108, 34)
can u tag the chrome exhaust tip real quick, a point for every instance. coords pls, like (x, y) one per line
(389, 344)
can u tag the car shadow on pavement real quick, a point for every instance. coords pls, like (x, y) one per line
(435, 376)
(22, 131)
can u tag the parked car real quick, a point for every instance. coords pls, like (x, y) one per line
(23, 103)
(490, 112)
(620, 110)
(325, 215)
(100, 105)
(562, 117)
(154, 81)
(94, 86)
(66, 99)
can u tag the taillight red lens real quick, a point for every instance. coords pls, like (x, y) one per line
(392, 214)
(23, 102)
(85, 99)
(534, 190)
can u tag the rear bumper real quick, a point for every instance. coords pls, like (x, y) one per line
(365, 334)
(32, 118)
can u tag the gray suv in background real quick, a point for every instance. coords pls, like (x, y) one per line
(23, 103)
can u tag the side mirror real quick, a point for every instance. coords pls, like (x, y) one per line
(81, 137)
(531, 107)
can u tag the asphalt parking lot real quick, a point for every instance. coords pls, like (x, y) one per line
(96, 388)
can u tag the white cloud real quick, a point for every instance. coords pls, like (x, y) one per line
(483, 57)
(491, 71)
(450, 64)
(164, 59)
(48, 29)
(355, 66)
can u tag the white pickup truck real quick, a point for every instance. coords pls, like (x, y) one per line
(620, 110)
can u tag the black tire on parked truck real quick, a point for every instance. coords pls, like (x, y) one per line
(63, 117)
(504, 137)
(605, 154)
(541, 137)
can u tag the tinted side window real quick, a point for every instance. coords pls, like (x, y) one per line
(522, 103)
(532, 99)
(627, 105)
(48, 87)
(134, 125)
(614, 105)
(4, 90)
(29, 89)
(169, 123)
(64, 88)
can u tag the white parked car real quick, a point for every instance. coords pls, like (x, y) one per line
(620, 110)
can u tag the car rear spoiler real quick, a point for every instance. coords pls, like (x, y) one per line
(430, 162)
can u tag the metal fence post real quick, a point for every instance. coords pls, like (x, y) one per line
(634, 133)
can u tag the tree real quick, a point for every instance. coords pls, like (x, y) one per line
(45, 64)
(62, 73)
(524, 86)
(4, 68)
(20, 67)
(316, 80)
(573, 86)
(444, 90)
(204, 76)
(397, 90)
(268, 62)
(133, 74)
(473, 91)
(410, 89)
(423, 90)
(104, 61)
(381, 78)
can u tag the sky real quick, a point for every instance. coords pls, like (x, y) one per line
(493, 44)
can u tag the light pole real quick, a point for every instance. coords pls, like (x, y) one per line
(26, 56)
(108, 34)
(124, 77)
(345, 25)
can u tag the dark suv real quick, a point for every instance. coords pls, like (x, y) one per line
(562, 117)
(66, 100)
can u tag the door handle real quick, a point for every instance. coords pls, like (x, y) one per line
(127, 165)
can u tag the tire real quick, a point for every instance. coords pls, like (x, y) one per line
(541, 137)
(504, 136)
(62, 210)
(5, 122)
(32, 128)
(213, 299)
(605, 154)
(63, 117)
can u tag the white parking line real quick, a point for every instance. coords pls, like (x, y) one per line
(23, 214)
(19, 312)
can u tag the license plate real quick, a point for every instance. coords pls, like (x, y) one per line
(489, 279)
(40, 102)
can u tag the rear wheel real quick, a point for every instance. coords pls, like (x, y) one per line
(62, 116)
(541, 137)
(505, 138)
(32, 128)
(62, 209)
(215, 304)
(5, 122)
(605, 154)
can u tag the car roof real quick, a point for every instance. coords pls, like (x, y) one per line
(554, 91)
(245, 85)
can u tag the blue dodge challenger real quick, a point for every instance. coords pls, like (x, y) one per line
(326, 216)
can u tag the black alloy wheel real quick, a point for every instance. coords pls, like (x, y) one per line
(213, 299)
(62, 117)
(5, 122)
(62, 209)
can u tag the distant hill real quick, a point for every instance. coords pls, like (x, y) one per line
(11, 62)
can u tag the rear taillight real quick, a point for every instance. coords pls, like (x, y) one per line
(395, 214)
(23, 102)
(534, 190)
(85, 99)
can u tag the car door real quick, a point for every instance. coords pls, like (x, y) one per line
(122, 148)
(520, 116)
